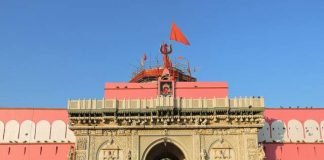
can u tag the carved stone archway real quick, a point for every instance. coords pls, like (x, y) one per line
(164, 150)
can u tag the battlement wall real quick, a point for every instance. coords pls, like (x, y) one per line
(161, 101)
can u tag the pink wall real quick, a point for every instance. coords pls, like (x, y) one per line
(299, 150)
(301, 114)
(130, 90)
(294, 151)
(46, 151)
(35, 115)
(201, 89)
(150, 90)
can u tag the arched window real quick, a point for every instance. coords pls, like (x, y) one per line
(43, 129)
(27, 131)
(311, 130)
(11, 131)
(264, 133)
(295, 131)
(58, 131)
(279, 131)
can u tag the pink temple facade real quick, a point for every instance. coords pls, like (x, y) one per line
(37, 134)
(44, 134)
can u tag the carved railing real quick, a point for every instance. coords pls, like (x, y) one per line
(165, 102)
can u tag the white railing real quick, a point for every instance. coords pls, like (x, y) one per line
(162, 101)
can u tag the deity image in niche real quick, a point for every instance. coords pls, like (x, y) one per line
(166, 88)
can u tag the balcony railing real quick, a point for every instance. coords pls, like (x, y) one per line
(165, 102)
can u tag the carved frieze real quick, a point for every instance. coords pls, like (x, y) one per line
(82, 143)
(81, 155)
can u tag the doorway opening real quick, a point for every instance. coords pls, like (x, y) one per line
(165, 151)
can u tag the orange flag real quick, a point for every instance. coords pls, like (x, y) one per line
(177, 35)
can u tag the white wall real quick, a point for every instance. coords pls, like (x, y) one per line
(70, 135)
(312, 131)
(295, 131)
(27, 131)
(1, 131)
(43, 129)
(11, 131)
(58, 131)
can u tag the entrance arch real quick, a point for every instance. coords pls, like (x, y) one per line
(165, 151)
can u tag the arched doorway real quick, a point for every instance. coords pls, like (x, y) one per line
(165, 151)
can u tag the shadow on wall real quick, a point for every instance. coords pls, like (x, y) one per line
(271, 136)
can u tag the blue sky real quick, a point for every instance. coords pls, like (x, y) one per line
(55, 50)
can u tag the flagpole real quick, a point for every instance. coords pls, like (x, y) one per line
(150, 60)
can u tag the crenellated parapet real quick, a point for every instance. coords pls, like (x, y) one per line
(166, 112)
(166, 102)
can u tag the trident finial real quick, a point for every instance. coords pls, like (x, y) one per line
(166, 49)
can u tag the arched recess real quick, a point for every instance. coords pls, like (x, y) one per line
(1, 131)
(177, 147)
(295, 131)
(70, 134)
(264, 133)
(11, 131)
(322, 129)
(312, 131)
(279, 131)
(43, 129)
(27, 131)
(58, 130)
(220, 149)
(109, 150)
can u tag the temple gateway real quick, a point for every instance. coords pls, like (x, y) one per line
(163, 113)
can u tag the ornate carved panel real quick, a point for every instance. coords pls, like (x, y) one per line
(82, 143)
(109, 151)
(221, 150)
